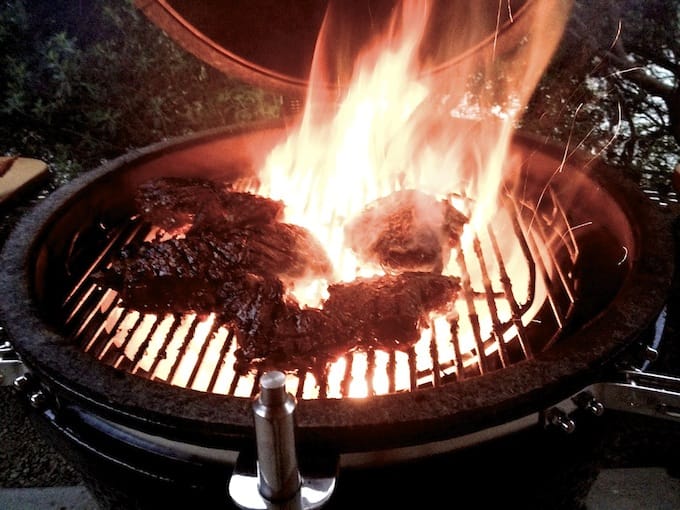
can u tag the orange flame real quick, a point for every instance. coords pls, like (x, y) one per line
(402, 125)
(404, 122)
(408, 119)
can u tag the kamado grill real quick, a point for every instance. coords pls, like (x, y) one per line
(560, 297)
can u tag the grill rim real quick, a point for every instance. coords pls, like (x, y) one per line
(347, 425)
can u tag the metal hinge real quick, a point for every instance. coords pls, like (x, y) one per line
(645, 393)
(11, 366)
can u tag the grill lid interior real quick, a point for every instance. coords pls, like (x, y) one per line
(271, 42)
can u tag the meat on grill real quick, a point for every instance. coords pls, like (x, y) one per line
(273, 330)
(183, 274)
(177, 204)
(383, 311)
(286, 250)
(391, 311)
(238, 260)
(169, 276)
(407, 230)
(271, 327)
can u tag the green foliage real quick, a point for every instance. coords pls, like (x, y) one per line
(611, 87)
(86, 81)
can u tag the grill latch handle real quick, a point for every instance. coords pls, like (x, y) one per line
(646, 393)
(11, 366)
(273, 480)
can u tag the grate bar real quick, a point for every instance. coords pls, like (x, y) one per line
(200, 353)
(506, 282)
(434, 355)
(118, 240)
(491, 304)
(114, 356)
(468, 295)
(182, 349)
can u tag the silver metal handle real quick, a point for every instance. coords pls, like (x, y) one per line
(275, 437)
(273, 481)
(11, 366)
(645, 393)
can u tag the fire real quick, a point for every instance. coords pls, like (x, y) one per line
(397, 125)
(331, 168)
(400, 120)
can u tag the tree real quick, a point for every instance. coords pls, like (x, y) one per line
(85, 81)
(613, 86)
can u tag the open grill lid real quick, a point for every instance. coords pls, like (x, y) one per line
(271, 43)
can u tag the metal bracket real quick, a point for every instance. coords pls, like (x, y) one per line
(244, 488)
(645, 393)
(11, 366)
(638, 392)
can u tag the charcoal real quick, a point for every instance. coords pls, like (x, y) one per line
(406, 231)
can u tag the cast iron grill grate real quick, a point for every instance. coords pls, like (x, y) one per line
(502, 319)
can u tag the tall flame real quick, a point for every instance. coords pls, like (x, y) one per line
(408, 118)
(404, 122)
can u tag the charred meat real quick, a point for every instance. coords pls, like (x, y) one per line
(175, 275)
(406, 231)
(383, 311)
(235, 258)
(224, 234)
(176, 204)
(391, 311)
(284, 335)
(183, 274)
(288, 251)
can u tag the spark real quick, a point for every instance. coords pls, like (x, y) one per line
(577, 227)
(623, 71)
(614, 136)
(572, 229)
(617, 36)
(560, 167)
(498, 24)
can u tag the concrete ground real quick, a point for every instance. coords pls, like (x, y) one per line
(614, 489)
